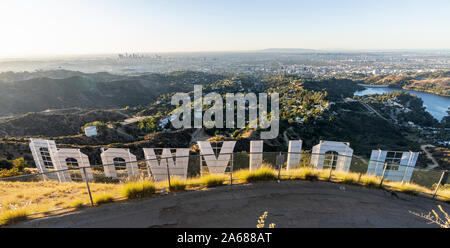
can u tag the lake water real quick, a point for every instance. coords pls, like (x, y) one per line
(436, 105)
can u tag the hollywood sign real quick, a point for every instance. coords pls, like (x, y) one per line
(257, 105)
(336, 155)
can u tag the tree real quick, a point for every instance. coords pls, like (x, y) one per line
(148, 124)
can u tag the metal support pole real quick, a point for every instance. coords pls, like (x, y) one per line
(168, 171)
(200, 158)
(439, 184)
(331, 167)
(87, 184)
(406, 167)
(382, 176)
(280, 164)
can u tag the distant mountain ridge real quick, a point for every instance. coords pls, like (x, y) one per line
(98, 90)
(10, 76)
(288, 50)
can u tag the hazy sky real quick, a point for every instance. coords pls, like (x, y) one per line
(39, 27)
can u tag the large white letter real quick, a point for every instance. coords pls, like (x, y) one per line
(112, 157)
(219, 164)
(256, 154)
(159, 170)
(294, 153)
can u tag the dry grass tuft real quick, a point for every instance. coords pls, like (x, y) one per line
(213, 180)
(304, 173)
(177, 184)
(13, 216)
(444, 194)
(436, 218)
(265, 173)
(138, 189)
(407, 188)
(78, 204)
(370, 181)
(347, 177)
(103, 198)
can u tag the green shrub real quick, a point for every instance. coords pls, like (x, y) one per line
(138, 189)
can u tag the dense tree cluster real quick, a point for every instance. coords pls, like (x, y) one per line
(148, 125)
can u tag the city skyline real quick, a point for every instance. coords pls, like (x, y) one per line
(49, 28)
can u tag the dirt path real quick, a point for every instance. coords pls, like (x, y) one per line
(429, 156)
(290, 204)
(131, 120)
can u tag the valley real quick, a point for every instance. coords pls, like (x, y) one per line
(133, 111)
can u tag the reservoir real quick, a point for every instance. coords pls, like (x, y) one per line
(436, 105)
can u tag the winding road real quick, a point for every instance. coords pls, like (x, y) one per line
(368, 107)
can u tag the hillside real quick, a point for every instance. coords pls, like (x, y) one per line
(55, 123)
(442, 155)
(41, 93)
(311, 110)
(440, 86)
(432, 82)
